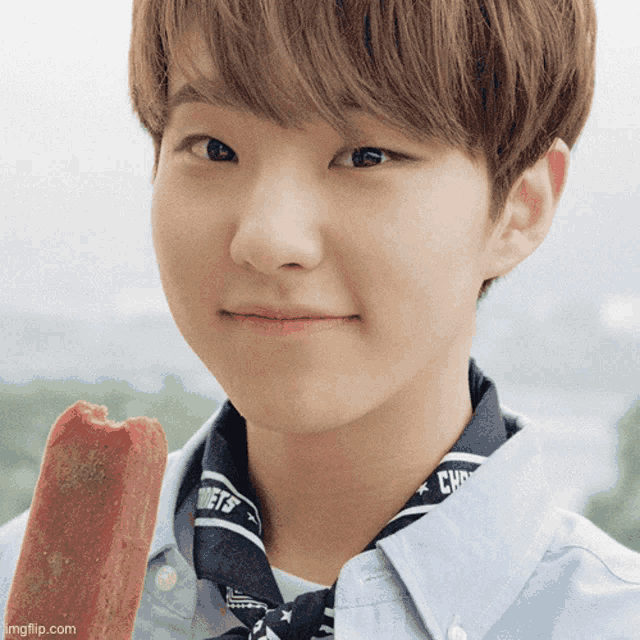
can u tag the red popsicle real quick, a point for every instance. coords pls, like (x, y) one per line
(84, 553)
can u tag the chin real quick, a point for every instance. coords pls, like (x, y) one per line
(297, 412)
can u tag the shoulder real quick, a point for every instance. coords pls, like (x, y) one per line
(12, 532)
(576, 537)
(586, 583)
(579, 536)
(11, 535)
(180, 473)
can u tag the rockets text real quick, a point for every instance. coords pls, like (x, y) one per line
(216, 498)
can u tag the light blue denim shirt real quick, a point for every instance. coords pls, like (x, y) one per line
(496, 560)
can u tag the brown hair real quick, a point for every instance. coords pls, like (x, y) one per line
(499, 79)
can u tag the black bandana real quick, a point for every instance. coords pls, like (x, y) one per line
(228, 548)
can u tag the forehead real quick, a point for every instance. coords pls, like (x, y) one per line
(185, 93)
(195, 77)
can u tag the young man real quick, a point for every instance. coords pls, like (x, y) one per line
(337, 183)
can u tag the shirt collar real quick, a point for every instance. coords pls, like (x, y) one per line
(486, 431)
(469, 559)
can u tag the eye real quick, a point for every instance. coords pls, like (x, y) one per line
(214, 150)
(364, 157)
(208, 148)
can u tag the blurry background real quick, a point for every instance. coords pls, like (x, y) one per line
(82, 314)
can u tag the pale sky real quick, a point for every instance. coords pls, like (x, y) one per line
(81, 241)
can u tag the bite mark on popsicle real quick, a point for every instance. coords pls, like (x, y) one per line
(84, 553)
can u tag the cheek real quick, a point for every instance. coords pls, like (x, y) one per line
(422, 259)
(170, 234)
(433, 240)
(185, 241)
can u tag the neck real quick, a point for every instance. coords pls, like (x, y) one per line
(325, 496)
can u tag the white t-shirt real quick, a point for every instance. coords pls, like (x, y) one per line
(291, 586)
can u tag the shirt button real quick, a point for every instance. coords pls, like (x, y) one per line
(456, 632)
(166, 578)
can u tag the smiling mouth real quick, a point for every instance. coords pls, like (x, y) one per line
(285, 319)
(254, 315)
(284, 327)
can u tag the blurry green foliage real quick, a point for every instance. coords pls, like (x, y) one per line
(617, 510)
(28, 411)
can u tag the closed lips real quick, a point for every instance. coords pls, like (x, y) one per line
(285, 314)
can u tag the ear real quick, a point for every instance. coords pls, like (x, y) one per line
(529, 211)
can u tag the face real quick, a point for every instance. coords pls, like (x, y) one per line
(388, 235)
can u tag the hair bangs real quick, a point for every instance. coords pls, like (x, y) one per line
(291, 61)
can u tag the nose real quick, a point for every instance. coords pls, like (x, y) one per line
(277, 225)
